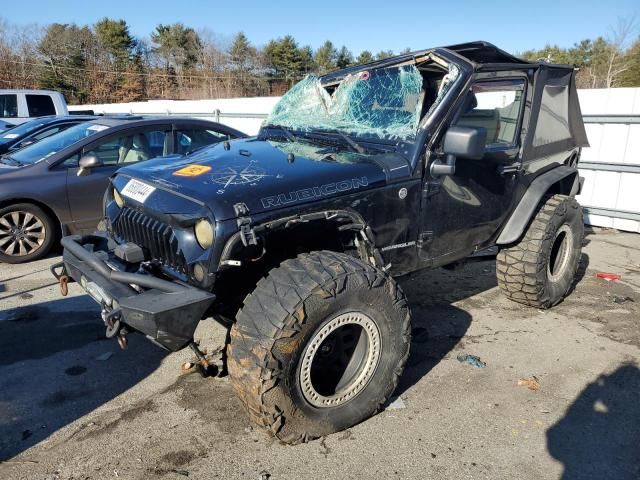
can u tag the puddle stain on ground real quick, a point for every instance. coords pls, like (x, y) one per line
(75, 370)
(214, 401)
(599, 301)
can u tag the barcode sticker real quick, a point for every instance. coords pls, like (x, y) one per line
(137, 190)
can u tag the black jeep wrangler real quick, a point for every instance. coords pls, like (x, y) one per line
(292, 238)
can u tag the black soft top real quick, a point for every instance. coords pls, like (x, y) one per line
(484, 52)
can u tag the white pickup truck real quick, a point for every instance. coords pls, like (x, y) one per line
(18, 106)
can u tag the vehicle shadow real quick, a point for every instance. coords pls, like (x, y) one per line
(437, 325)
(599, 436)
(56, 366)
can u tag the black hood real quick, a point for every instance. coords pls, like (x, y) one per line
(266, 175)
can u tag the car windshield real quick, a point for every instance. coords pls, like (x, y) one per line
(53, 144)
(383, 103)
(21, 130)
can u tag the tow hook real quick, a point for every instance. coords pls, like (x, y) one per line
(114, 327)
(62, 277)
(64, 285)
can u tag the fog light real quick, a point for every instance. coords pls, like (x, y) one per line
(199, 273)
(204, 233)
(118, 199)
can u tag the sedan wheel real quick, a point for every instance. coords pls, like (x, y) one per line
(26, 233)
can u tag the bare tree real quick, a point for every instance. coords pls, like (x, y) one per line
(619, 39)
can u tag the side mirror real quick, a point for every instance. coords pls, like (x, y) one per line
(463, 142)
(86, 163)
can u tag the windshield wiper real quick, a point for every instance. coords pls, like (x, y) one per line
(355, 146)
(289, 136)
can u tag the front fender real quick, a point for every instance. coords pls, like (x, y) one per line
(524, 211)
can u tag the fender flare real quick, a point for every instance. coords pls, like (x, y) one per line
(353, 221)
(524, 211)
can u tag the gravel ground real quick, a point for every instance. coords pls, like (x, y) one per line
(74, 406)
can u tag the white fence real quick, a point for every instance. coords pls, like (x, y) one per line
(610, 166)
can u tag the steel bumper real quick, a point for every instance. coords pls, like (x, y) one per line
(166, 312)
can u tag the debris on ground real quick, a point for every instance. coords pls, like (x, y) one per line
(532, 383)
(620, 300)
(264, 475)
(608, 276)
(396, 404)
(472, 360)
(184, 473)
(104, 357)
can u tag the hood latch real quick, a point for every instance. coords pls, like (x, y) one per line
(247, 234)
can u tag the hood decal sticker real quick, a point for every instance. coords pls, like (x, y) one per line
(192, 170)
(229, 175)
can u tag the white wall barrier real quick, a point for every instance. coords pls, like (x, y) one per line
(610, 166)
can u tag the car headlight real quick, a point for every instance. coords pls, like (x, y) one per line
(118, 198)
(204, 233)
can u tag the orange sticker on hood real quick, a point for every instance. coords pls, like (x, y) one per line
(192, 171)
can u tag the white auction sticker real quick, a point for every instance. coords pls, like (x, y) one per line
(97, 127)
(137, 190)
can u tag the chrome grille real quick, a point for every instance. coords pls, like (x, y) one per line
(155, 237)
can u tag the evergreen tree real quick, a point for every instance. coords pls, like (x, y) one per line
(241, 53)
(365, 57)
(381, 55)
(115, 38)
(325, 58)
(344, 58)
(179, 46)
(284, 57)
(306, 59)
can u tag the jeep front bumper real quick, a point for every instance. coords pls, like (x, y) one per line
(166, 312)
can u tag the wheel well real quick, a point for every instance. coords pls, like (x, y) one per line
(564, 185)
(280, 244)
(44, 207)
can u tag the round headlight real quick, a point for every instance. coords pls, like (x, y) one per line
(118, 198)
(204, 233)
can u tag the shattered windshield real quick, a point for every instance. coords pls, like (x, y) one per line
(383, 103)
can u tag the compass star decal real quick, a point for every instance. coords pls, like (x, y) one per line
(251, 174)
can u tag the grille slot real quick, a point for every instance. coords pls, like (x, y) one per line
(156, 237)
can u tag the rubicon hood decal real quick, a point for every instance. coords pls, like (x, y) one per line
(325, 190)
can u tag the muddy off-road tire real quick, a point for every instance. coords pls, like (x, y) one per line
(319, 345)
(540, 269)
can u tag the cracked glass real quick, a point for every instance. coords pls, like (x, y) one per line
(383, 103)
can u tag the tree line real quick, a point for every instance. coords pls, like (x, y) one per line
(105, 63)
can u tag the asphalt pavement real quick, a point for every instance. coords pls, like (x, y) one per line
(559, 396)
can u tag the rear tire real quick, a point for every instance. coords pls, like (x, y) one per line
(27, 233)
(540, 269)
(319, 345)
